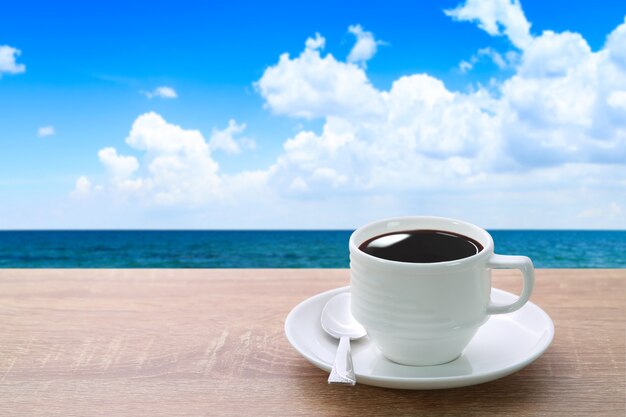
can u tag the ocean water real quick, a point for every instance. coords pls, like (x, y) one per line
(274, 249)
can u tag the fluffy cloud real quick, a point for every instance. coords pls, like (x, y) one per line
(563, 104)
(430, 136)
(617, 100)
(492, 15)
(226, 141)
(44, 131)
(553, 55)
(162, 92)
(120, 167)
(312, 86)
(177, 167)
(416, 134)
(82, 187)
(616, 46)
(554, 131)
(318, 42)
(365, 47)
(8, 57)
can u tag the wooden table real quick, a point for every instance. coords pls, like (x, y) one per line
(211, 342)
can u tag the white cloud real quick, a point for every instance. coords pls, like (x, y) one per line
(82, 188)
(617, 99)
(225, 139)
(177, 167)
(493, 55)
(318, 42)
(561, 104)
(120, 167)
(616, 45)
(298, 185)
(496, 15)
(365, 47)
(312, 86)
(44, 131)
(8, 56)
(162, 92)
(548, 142)
(551, 111)
(554, 54)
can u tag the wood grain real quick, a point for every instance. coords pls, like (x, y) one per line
(211, 342)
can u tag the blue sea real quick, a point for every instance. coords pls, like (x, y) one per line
(274, 249)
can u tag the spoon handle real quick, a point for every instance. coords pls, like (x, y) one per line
(343, 371)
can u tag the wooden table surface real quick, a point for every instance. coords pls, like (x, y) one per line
(211, 342)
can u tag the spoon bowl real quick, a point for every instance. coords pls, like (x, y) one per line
(337, 321)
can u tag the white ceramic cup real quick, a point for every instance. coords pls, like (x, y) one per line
(427, 313)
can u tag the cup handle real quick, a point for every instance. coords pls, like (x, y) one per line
(522, 263)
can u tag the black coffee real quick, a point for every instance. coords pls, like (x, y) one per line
(421, 246)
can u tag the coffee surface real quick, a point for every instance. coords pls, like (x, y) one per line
(421, 246)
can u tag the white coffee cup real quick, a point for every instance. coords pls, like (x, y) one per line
(427, 313)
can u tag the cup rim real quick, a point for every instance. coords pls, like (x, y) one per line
(375, 261)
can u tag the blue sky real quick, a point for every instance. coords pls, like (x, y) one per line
(334, 159)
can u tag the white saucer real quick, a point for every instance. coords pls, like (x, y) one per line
(504, 344)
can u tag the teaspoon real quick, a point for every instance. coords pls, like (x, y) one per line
(338, 322)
